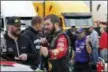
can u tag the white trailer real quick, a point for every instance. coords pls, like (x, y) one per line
(22, 9)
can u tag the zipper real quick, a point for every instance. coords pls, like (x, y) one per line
(17, 47)
(4, 47)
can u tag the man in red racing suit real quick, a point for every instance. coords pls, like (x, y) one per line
(57, 51)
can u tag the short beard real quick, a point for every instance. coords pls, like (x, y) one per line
(50, 35)
(53, 30)
(15, 34)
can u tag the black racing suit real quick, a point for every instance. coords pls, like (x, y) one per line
(18, 47)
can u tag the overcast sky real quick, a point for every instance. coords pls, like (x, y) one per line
(100, 15)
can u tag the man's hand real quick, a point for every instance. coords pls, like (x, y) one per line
(44, 51)
(87, 39)
(43, 40)
(72, 61)
(17, 58)
(88, 47)
(23, 57)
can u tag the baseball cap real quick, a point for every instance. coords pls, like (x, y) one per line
(13, 21)
(73, 26)
(80, 30)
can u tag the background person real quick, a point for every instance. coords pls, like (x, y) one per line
(33, 32)
(82, 51)
(94, 40)
(103, 42)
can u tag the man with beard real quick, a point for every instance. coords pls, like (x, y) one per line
(57, 49)
(18, 47)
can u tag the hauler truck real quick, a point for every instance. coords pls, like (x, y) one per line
(24, 10)
(75, 13)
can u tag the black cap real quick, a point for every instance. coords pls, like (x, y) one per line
(13, 21)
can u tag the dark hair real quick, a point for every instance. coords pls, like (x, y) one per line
(36, 19)
(73, 27)
(54, 18)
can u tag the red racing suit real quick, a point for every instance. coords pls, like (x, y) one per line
(58, 53)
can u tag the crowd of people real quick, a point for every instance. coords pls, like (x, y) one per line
(44, 45)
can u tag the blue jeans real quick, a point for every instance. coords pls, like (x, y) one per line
(104, 54)
(95, 55)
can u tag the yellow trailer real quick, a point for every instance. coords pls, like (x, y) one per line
(75, 13)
